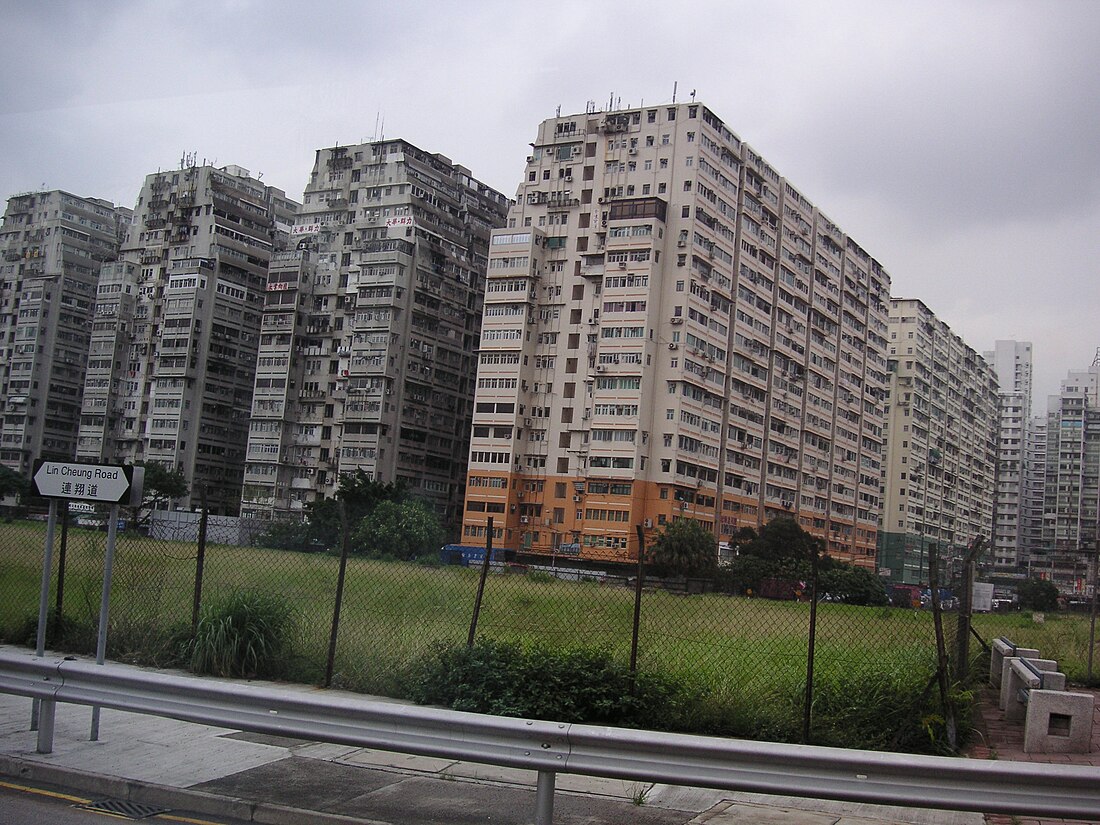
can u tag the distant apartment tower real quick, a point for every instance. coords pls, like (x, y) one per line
(370, 331)
(1071, 508)
(1011, 362)
(1033, 551)
(177, 327)
(53, 245)
(672, 331)
(941, 446)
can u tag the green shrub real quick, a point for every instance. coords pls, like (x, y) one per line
(535, 681)
(242, 636)
(62, 633)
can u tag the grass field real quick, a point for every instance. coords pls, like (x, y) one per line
(747, 655)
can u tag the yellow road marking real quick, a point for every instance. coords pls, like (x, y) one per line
(41, 792)
(79, 800)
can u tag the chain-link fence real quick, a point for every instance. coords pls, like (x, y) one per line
(746, 658)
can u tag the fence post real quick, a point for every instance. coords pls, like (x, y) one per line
(942, 673)
(61, 558)
(639, 581)
(481, 582)
(200, 561)
(344, 543)
(1092, 610)
(809, 698)
(43, 615)
(966, 611)
(104, 606)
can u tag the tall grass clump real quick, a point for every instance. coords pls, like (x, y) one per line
(244, 636)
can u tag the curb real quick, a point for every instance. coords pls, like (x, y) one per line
(131, 790)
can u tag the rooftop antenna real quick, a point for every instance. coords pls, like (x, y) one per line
(557, 112)
(675, 83)
(611, 102)
(692, 95)
(377, 116)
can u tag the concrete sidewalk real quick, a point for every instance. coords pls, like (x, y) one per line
(260, 778)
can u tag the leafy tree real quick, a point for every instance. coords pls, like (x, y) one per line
(162, 485)
(684, 548)
(399, 529)
(850, 584)
(360, 494)
(780, 539)
(13, 483)
(1037, 594)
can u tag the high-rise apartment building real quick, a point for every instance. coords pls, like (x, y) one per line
(941, 446)
(1011, 362)
(1071, 507)
(370, 330)
(1033, 497)
(672, 330)
(177, 327)
(53, 245)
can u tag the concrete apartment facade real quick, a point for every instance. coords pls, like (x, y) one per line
(1033, 495)
(942, 424)
(672, 330)
(1011, 362)
(1071, 491)
(368, 346)
(53, 245)
(177, 328)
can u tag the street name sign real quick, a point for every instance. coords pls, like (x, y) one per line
(108, 483)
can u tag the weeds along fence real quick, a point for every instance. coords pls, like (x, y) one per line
(744, 659)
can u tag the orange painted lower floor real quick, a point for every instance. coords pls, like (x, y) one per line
(597, 519)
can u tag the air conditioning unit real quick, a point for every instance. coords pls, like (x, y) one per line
(648, 522)
(681, 243)
(601, 200)
(673, 345)
(527, 422)
(622, 264)
(600, 368)
(523, 519)
(344, 373)
(520, 495)
(676, 321)
(592, 322)
(632, 151)
(576, 498)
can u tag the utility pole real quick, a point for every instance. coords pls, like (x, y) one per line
(1092, 609)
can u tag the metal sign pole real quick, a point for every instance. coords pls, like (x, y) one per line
(104, 601)
(43, 610)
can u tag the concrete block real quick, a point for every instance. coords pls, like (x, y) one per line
(997, 655)
(1008, 689)
(1058, 722)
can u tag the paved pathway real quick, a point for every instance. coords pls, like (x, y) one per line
(998, 739)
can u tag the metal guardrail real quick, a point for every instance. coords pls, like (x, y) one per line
(551, 747)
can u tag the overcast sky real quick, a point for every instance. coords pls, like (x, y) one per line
(958, 143)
